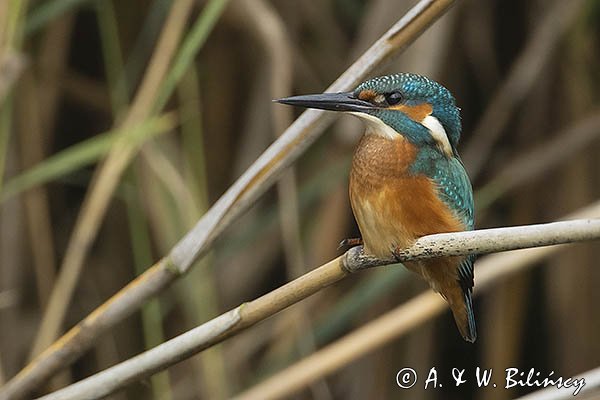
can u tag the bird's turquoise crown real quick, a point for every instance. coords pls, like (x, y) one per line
(415, 89)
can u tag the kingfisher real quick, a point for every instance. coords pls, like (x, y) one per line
(407, 179)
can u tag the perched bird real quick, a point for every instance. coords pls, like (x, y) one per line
(407, 179)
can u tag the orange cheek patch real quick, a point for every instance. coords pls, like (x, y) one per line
(416, 113)
(367, 95)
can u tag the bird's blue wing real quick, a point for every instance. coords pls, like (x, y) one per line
(455, 190)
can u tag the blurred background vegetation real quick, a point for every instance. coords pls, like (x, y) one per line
(525, 75)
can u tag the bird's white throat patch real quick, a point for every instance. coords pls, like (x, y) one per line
(438, 132)
(375, 126)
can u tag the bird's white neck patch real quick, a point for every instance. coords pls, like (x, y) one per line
(438, 132)
(375, 126)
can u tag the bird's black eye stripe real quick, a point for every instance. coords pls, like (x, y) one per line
(393, 98)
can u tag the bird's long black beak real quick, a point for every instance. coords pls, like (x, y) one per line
(329, 101)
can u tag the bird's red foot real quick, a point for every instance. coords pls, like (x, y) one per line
(396, 254)
(350, 242)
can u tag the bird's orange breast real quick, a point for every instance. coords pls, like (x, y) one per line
(392, 206)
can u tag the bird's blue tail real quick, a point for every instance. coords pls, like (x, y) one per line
(469, 333)
(462, 304)
(462, 309)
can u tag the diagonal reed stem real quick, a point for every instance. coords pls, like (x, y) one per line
(482, 241)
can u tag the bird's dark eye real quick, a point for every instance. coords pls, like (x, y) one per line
(393, 98)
